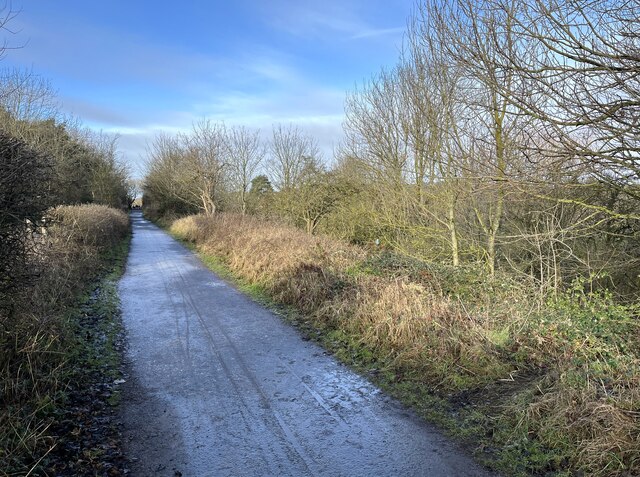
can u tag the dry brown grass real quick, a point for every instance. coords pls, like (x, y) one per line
(415, 327)
(424, 332)
(410, 324)
(89, 225)
(591, 428)
(261, 251)
(36, 335)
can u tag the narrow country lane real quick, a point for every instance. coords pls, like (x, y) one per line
(220, 386)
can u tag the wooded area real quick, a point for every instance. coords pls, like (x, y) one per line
(505, 135)
(473, 243)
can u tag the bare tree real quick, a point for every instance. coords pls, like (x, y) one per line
(436, 108)
(291, 150)
(7, 14)
(246, 153)
(374, 128)
(164, 157)
(405, 126)
(205, 158)
(189, 167)
(28, 100)
(475, 35)
(26, 96)
(581, 83)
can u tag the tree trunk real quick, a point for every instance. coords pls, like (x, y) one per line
(455, 254)
(311, 225)
(208, 205)
(491, 253)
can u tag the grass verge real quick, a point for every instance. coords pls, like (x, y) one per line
(85, 432)
(58, 340)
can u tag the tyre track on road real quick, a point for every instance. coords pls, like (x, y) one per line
(285, 433)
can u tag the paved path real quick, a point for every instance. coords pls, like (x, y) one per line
(220, 386)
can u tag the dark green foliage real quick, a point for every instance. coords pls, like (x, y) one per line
(86, 171)
(260, 186)
(25, 177)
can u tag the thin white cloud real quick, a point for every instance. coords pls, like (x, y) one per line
(373, 33)
(327, 19)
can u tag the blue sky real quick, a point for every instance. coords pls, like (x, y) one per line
(138, 67)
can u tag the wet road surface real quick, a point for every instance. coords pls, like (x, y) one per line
(219, 386)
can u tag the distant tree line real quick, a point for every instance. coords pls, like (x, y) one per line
(506, 135)
(215, 167)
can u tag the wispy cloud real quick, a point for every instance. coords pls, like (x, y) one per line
(95, 112)
(378, 32)
(329, 19)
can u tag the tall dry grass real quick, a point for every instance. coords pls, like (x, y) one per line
(409, 323)
(558, 380)
(36, 332)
